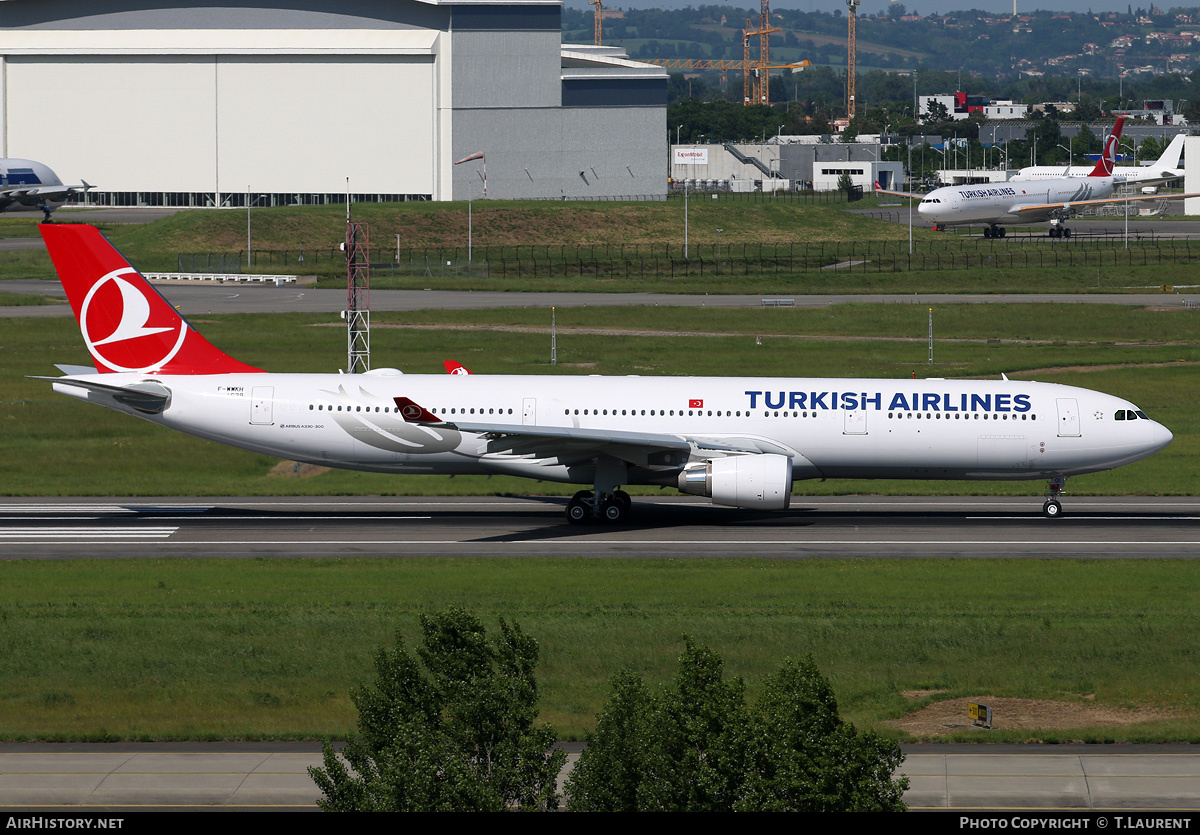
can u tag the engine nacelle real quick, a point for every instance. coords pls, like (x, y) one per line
(758, 481)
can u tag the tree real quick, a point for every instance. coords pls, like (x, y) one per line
(698, 747)
(456, 736)
(845, 184)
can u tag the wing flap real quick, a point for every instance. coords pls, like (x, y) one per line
(1043, 207)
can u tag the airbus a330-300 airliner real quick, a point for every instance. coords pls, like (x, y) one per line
(741, 441)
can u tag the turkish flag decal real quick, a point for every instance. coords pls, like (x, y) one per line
(695, 404)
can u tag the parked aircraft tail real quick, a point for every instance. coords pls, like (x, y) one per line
(1170, 158)
(126, 324)
(1108, 159)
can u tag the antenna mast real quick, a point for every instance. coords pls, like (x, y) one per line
(358, 294)
(851, 55)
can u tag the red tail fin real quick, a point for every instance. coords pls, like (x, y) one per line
(453, 367)
(1108, 159)
(126, 324)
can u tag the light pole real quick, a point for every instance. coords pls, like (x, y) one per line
(1134, 149)
(470, 197)
(685, 220)
(1070, 157)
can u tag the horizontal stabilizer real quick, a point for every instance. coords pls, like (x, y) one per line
(149, 396)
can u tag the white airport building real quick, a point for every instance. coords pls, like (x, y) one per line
(198, 102)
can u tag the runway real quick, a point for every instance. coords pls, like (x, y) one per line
(660, 527)
(216, 299)
(274, 776)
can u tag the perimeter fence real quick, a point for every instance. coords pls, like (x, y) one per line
(666, 261)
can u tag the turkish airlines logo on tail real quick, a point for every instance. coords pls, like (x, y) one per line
(1110, 154)
(127, 346)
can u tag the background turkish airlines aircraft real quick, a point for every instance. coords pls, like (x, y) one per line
(1162, 170)
(26, 185)
(1031, 201)
(740, 441)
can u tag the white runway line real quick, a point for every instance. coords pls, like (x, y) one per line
(88, 534)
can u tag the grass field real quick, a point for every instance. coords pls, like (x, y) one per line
(772, 247)
(52, 445)
(259, 649)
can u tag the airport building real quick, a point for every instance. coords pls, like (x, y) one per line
(195, 102)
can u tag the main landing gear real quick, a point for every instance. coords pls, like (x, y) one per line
(607, 501)
(993, 231)
(1052, 509)
(611, 507)
(1059, 232)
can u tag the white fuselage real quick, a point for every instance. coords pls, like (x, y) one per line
(1121, 176)
(1001, 202)
(830, 428)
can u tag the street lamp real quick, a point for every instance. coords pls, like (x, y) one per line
(1070, 157)
(470, 197)
(677, 130)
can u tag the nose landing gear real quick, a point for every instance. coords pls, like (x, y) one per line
(1052, 509)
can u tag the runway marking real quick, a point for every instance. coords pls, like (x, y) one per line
(662, 542)
(87, 533)
(1075, 518)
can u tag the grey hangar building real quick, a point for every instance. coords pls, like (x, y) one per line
(192, 103)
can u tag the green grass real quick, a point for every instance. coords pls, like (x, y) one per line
(233, 649)
(634, 247)
(52, 445)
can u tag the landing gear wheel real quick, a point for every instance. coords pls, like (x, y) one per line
(1066, 233)
(1052, 509)
(1001, 231)
(623, 497)
(988, 233)
(579, 509)
(614, 510)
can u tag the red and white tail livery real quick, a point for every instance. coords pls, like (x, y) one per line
(1108, 159)
(127, 325)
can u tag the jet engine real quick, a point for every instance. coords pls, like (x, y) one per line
(758, 481)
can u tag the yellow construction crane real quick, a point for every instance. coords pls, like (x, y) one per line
(756, 78)
(756, 74)
(851, 55)
(599, 17)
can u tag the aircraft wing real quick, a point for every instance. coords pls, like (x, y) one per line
(879, 190)
(41, 191)
(571, 444)
(1046, 207)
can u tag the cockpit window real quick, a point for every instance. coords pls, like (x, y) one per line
(1129, 414)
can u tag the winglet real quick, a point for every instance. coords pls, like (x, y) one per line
(414, 412)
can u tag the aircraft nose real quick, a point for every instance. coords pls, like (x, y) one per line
(1162, 436)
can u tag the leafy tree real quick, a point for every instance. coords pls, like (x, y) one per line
(845, 183)
(458, 735)
(698, 747)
